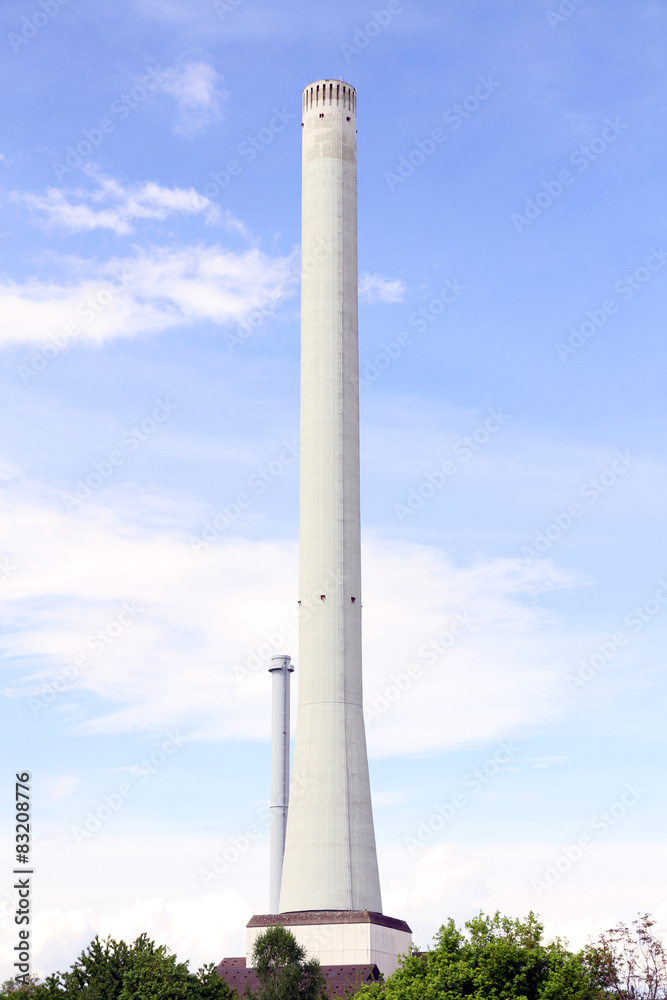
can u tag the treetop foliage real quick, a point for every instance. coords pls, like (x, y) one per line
(630, 966)
(282, 970)
(499, 958)
(490, 958)
(114, 970)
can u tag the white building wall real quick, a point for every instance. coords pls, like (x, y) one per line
(330, 858)
(346, 944)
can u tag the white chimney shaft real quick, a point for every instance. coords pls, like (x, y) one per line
(280, 670)
(330, 857)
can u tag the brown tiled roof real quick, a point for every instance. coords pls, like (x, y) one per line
(341, 980)
(238, 978)
(327, 917)
(344, 980)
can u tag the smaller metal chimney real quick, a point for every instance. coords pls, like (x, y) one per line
(281, 667)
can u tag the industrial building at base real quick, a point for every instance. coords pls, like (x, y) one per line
(326, 888)
(341, 937)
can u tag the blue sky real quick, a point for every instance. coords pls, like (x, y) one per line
(512, 277)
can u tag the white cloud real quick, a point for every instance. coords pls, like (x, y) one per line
(195, 927)
(444, 880)
(131, 897)
(197, 930)
(60, 787)
(115, 206)
(202, 610)
(450, 880)
(149, 292)
(174, 669)
(501, 674)
(375, 288)
(194, 87)
(215, 609)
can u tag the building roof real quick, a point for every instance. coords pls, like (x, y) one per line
(341, 980)
(310, 917)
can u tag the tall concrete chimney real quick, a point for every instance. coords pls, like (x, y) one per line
(280, 670)
(330, 860)
(330, 896)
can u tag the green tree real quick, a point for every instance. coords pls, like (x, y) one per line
(211, 986)
(629, 965)
(98, 972)
(114, 970)
(493, 958)
(282, 969)
(157, 976)
(10, 988)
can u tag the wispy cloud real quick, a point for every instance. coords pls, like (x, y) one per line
(471, 639)
(198, 928)
(456, 877)
(503, 673)
(153, 290)
(199, 99)
(60, 787)
(375, 288)
(112, 205)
